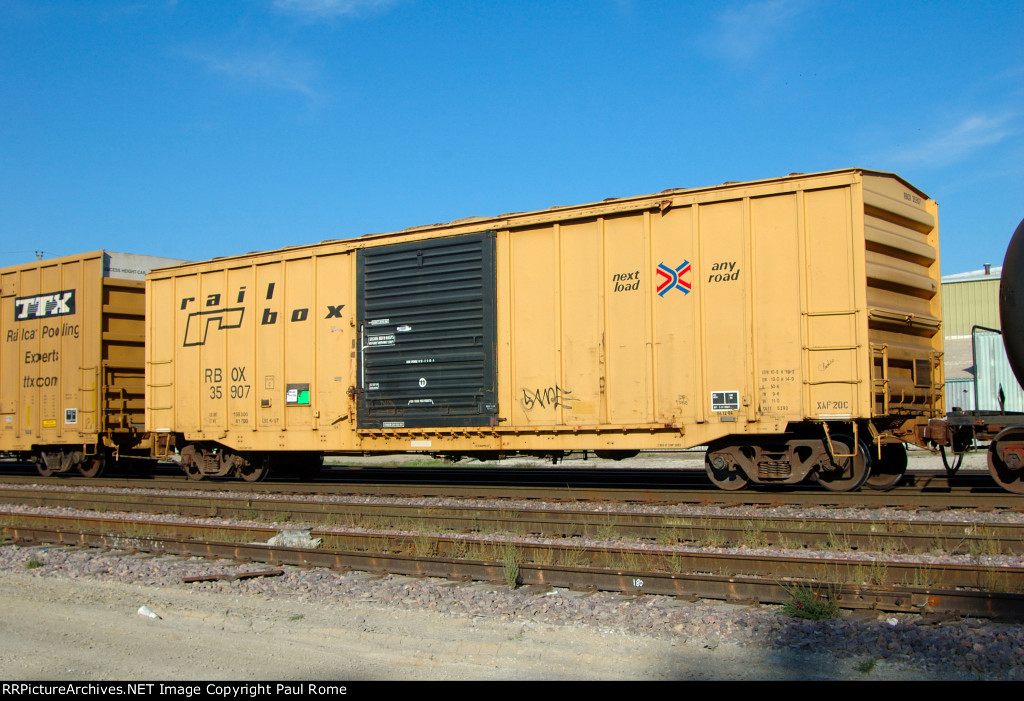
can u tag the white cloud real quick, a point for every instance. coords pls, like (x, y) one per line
(957, 142)
(330, 8)
(745, 32)
(264, 69)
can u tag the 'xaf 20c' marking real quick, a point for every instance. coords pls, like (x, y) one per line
(672, 278)
(199, 322)
(42, 306)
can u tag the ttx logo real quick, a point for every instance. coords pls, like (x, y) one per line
(42, 306)
(221, 317)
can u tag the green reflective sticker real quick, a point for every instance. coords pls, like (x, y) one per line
(297, 394)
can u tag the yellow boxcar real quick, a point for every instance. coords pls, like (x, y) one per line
(72, 374)
(791, 325)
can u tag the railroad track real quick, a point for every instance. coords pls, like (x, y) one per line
(938, 589)
(659, 564)
(922, 490)
(879, 535)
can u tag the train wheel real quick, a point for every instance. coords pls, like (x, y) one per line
(725, 473)
(887, 472)
(189, 463)
(93, 466)
(46, 467)
(1006, 459)
(845, 474)
(254, 471)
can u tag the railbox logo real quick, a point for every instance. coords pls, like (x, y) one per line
(222, 318)
(44, 306)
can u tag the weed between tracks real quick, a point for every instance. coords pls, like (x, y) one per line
(512, 558)
(877, 573)
(873, 574)
(425, 546)
(754, 535)
(226, 536)
(608, 531)
(992, 579)
(810, 603)
(787, 544)
(922, 577)
(887, 546)
(837, 541)
(982, 543)
(711, 536)
(629, 561)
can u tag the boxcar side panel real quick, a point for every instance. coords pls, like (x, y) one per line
(665, 321)
(50, 363)
(582, 310)
(673, 297)
(724, 297)
(258, 356)
(834, 348)
(777, 306)
(629, 372)
(534, 388)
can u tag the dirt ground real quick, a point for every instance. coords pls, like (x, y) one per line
(56, 628)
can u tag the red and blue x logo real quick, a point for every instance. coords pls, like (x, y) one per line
(673, 279)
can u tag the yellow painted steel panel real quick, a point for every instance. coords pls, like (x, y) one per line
(251, 354)
(676, 318)
(723, 295)
(659, 321)
(584, 353)
(628, 367)
(835, 345)
(777, 304)
(534, 347)
(269, 340)
(71, 359)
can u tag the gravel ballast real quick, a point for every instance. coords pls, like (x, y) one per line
(436, 629)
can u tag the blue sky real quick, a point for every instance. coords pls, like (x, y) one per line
(195, 129)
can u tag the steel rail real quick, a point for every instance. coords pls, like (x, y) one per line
(885, 586)
(931, 492)
(871, 535)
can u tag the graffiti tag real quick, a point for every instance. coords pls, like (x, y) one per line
(553, 397)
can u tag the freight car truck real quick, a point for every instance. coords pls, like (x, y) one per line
(71, 361)
(791, 325)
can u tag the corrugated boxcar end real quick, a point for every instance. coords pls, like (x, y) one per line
(791, 323)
